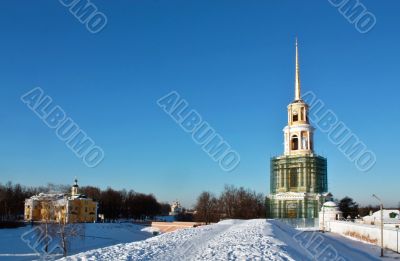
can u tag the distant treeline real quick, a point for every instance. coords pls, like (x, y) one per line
(114, 204)
(236, 203)
(12, 199)
(233, 202)
(241, 203)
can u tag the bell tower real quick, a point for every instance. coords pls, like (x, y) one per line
(298, 134)
(298, 179)
(75, 188)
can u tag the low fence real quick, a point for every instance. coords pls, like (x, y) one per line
(366, 233)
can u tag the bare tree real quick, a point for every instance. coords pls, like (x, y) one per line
(47, 208)
(241, 203)
(55, 227)
(207, 208)
(227, 201)
(65, 231)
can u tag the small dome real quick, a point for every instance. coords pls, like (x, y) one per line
(330, 204)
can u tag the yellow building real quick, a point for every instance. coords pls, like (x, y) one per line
(55, 207)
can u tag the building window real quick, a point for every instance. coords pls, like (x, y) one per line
(293, 177)
(304, 141)
(295, 142)
(295, 118)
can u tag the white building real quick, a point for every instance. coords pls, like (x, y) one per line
(329, 212)
(176, 208)
(391, 218)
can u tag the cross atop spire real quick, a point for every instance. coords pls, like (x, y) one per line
(297, 95)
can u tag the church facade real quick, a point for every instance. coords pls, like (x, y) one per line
(298, 178)
(73, 208)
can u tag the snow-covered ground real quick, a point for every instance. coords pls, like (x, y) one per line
(258, 239)
(12, 246)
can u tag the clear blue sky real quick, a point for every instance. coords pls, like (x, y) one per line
(232, 60)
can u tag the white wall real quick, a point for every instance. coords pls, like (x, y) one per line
(368, 233)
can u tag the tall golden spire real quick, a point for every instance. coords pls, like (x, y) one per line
(297, 77)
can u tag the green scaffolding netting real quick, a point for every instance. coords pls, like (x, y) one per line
(305, 174)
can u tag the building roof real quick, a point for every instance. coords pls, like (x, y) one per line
(330, 204)
(79, 196)
(48, 196)
(57, 197)
(376, 216)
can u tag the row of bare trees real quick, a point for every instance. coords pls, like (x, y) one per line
(233, 202)
(114, 204)
(12, 197)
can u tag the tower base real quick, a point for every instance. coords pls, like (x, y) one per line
(298, 186)
(295, 205)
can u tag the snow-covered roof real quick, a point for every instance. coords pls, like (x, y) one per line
(47, 196)
(79, 196)
(376, 216)
(330, 204)
(57, 197)
(386, 213)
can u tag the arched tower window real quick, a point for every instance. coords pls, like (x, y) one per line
(295, 142)
(293, 177)
(304, 140)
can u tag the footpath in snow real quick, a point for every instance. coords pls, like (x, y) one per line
(257, 239)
